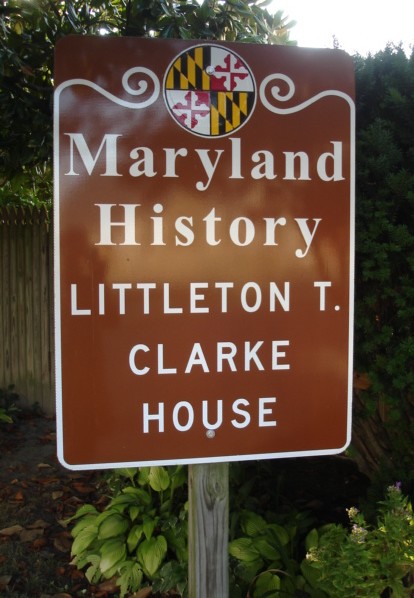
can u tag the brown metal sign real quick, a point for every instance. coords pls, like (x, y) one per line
(203, 251)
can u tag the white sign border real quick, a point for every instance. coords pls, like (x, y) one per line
(57, 288)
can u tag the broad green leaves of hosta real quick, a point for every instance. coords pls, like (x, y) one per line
(151, 554)
(158, 479)
(266, 563)
(132, 536)
(261, 548)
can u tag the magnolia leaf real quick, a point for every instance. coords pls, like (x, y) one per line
(159, 480)
(151, 553)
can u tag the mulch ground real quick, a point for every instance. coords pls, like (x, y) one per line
(37, 496)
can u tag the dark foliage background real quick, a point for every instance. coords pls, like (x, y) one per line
(384, 322)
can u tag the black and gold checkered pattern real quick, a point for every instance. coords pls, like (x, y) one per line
(188, 71)
(229, 110)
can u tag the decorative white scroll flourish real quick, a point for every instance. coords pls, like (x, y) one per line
(273, 81)
(279, 96)
(141, 88)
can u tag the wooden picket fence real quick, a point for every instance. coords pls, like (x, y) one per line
(26, 305)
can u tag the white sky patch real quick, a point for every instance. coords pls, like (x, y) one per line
(359, 26)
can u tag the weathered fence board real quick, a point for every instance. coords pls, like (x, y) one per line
(26, 300)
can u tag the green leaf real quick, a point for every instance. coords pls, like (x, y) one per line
(143, 476)
(159, 480)
(151, 553)
(251, 523)
(92, 573)
(310, 572)
(134, 537)
(112, 552)
(165, 507)
(84, 539)
(243, 549)
(86, 521)
(266, 550)
(128, 472)
(149, 526)
(277, 533)
(248, 570)
(113, 526)
(102, 516)
(312, 539)
(266, 584)
(4, 417)
(130, 579)
(82, 511)
(137, 494)
(120, 503)
(133, 512)
(179, 477)
(170, 576)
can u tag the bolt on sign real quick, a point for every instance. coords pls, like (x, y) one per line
(204, 251)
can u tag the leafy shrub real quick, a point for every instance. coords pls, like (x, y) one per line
(140, 537)
(267, 558)
(144, 525)
(367, 561)
(383, 431)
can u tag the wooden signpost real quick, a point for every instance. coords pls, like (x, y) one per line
(204, 245)
(208, 530)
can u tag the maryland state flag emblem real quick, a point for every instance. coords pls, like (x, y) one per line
(209, 90)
